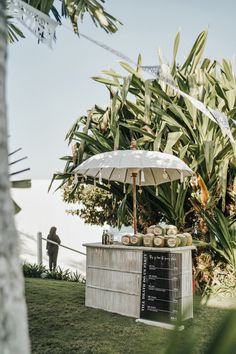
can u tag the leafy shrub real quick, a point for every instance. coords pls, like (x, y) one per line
(33, 270)
(59, 274)
(77, 277)
(41, 271)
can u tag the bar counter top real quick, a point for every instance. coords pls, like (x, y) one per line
(120, 246)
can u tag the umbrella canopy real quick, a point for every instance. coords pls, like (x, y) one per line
(152, 167)
(137, 167)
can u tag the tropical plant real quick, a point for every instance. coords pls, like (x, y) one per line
(158, 118)
(215, 266)
(212, 277)
(221, 238)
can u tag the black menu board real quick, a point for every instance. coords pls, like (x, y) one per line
(161, 286)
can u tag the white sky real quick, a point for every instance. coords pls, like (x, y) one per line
(49, 89)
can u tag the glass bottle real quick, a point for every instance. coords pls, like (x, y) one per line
(104, 237)
(107, 238)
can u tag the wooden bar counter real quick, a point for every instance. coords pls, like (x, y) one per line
(154, 284)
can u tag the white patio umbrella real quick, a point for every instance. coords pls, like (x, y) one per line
(136, 167)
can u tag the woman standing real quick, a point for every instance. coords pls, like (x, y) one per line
(52, 249)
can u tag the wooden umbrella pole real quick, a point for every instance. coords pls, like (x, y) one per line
(134, 175)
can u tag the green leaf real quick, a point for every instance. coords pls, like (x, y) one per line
(129, 68)
(114, 114)
(205, 63)
(223, 173)
(219, 231)
(175, 50)
(135, 108)
(121, 211)
(139, 63)
(14, 33)
(178, 111)
(228, 70)
(147, 101)
(231, 97)
(156, 88)
(137, 129)
(192, 110)
(209, 147)
(183, 151)
(17, 208)
(103, 141)
(117, 139)
(106, 81)
(172, 139)
(196, 52)
(66, 158)
(113, 74)
(125, 89)
(89, 140)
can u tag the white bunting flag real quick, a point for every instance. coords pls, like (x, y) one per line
(223, 122)
(41, 25)
(163, 74)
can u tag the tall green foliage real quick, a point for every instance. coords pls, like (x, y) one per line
(158, 118)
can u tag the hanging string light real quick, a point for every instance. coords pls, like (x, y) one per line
(100, 177)
(157, 192)
(165, 175)
(75, 179)
(124, 188)
(142, 176)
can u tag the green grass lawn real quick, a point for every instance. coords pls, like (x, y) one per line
(59, 322)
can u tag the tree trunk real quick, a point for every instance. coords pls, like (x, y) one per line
(14, 337)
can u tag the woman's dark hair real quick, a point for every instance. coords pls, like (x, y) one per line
(52, 231)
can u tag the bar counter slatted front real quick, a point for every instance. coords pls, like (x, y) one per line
(152, 283)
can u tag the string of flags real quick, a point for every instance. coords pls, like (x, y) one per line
(162, 73)
(109, 49)
(44, 28)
